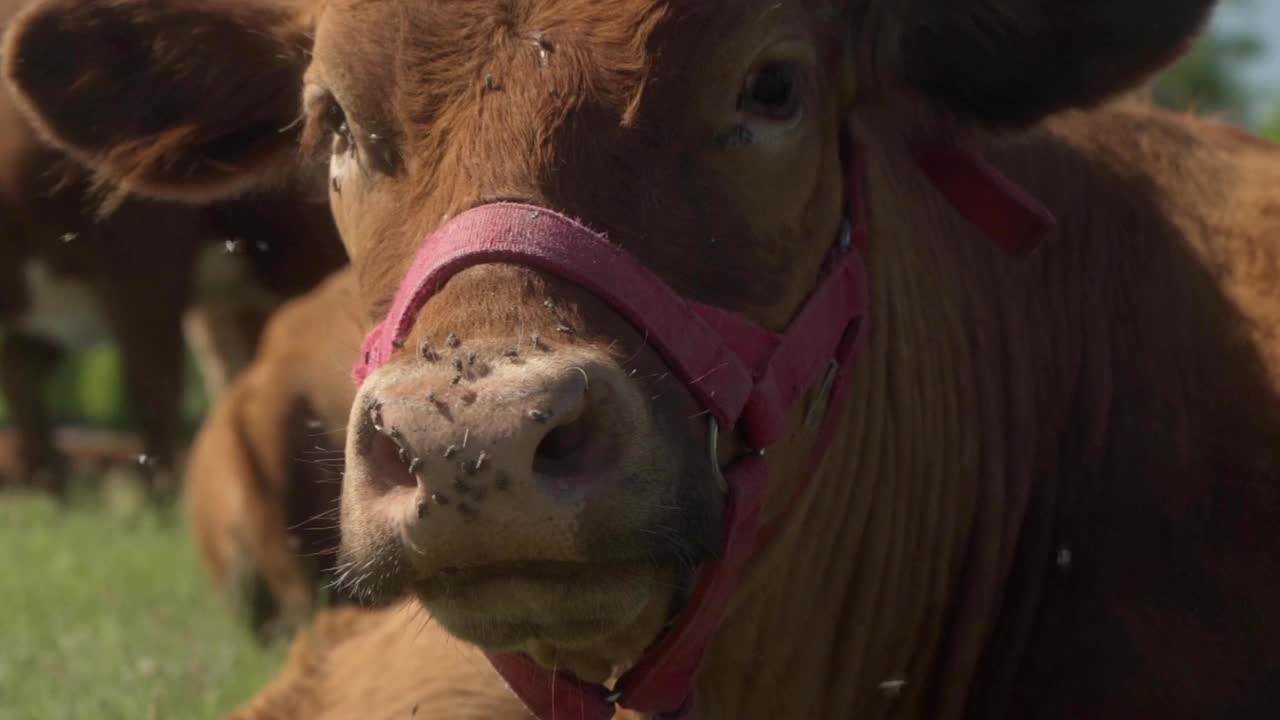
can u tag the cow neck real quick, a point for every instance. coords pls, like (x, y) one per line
(748, 379)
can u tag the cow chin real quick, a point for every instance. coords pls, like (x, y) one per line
(591, 613)
(590, 619)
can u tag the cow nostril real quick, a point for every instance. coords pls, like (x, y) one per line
(561, 450)
(386, 456)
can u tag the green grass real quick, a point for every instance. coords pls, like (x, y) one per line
(105, 613)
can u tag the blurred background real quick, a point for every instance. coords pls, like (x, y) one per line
(104, 611)
(1235, 70)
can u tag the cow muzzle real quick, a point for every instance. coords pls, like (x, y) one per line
(519, 486)
(478, 457)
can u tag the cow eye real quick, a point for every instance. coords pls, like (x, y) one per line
(336, 120)
(770, 92)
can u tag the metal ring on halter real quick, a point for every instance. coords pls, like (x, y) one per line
(844, 239)
(713, 442)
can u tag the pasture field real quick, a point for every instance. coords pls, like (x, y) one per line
(105, 613)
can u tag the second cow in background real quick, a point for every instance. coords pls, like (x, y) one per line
(264, 476)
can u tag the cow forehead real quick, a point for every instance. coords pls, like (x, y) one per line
(369, 40)
(420, 70)
(516, 14)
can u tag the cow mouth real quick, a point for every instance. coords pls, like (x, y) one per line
(567, 605)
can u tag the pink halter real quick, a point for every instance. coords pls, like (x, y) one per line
(748, 379)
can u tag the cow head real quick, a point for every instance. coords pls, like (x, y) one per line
(526, 464)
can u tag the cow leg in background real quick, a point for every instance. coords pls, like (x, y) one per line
(26, 364)
(150, 337)
(144, 292)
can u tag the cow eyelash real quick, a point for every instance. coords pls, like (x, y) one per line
(318, 135)
(331, 133)
(335, 121)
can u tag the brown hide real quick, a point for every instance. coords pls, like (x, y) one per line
(264, 475)
(1144, 572)
(326, 678)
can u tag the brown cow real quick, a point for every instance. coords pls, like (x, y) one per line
(327, 676)
(263, 479)
(80, 263)
(1054, 488)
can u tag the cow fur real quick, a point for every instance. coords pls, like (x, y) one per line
(325, 674)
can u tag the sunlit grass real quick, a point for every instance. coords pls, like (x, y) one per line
(104, 613)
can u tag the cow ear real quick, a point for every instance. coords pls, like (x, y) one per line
(186, 100)
(1009, 63)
